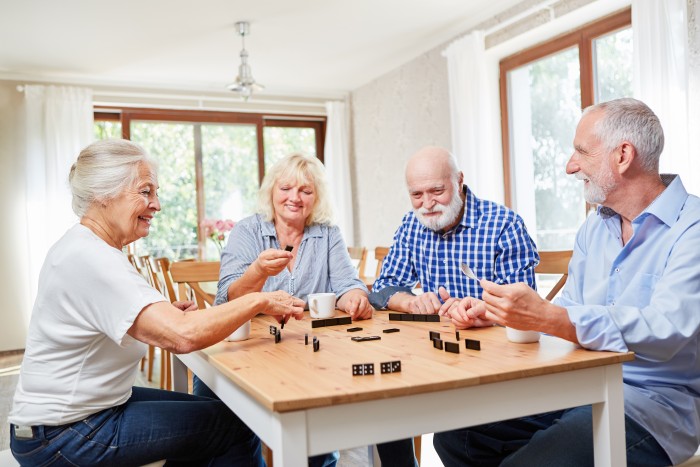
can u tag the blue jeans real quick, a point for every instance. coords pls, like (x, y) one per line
(152, 425)
(392, 454)
(561, 438)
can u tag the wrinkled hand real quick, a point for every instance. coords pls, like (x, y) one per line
(514, 305)
(355, 303)
(447, 302)
(469, 313)
(186, 305)
(272, 261)
(282, 306)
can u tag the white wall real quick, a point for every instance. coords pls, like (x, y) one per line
(392, 118)
(14, 292)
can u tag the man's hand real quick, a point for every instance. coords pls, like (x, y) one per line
(425, 304)
(469, 313)
(272, 261)
(447, 302)
(355, 303)
(520, 307)
(514, 305)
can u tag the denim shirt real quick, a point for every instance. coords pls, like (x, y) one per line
(322, 263)
(644, 297)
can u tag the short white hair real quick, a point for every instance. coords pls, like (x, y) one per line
(104, 169)
(630, 120)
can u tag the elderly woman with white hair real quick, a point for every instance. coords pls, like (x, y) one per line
(93, 320)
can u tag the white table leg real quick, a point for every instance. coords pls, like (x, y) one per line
(609, 446)
(292, 448)
(179, 374)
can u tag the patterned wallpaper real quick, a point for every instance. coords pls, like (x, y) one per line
(393, 117)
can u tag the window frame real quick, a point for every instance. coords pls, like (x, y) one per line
(125, 115)
(582, 37)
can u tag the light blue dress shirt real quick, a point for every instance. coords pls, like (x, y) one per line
(322, 264)
(644, 297)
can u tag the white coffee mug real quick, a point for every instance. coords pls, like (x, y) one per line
(522, 337)
(322, 305)
(240, 334)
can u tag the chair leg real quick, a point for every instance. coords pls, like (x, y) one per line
(151, 356)
(163, 382)
(267, 454)
(417, 447)
(168, 371)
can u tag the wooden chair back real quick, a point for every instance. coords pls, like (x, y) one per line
(555, 262)
(164, 267)
(359, 254)
(149, 271)
(189, 275)
(379, 254)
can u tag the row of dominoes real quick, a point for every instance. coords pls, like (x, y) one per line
(320, 323)
(360, 369)
(411, 317)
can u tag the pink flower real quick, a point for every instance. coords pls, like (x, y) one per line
(216, 230)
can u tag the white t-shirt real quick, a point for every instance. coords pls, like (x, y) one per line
(78, 358)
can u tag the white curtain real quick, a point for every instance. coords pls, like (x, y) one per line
(473, 107)
(59, 124)
(337, 160)
(660, 37)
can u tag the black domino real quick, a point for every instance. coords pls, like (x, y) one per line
(472, 344)
(452, 347)
(361, 369)
(320, 323)
(391, 367)
(437, 343)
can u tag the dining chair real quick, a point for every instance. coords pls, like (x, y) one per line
(379, 254)
(359, 254)
(554, 262)
(164, 267)
(189, 276)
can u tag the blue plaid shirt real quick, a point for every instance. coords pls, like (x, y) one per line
(490, 238)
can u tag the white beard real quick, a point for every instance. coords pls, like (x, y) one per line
(448, 212)
(596, 191)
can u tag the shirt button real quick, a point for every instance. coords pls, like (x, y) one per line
(617, 269)
(612, 303)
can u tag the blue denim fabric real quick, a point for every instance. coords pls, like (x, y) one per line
(322, 460)
(562, 438)
(399, 453)
(152, 425)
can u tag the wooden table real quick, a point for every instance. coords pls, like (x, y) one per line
(302, 402)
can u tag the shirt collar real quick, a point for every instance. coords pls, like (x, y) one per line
(666, 207)
(268, 229)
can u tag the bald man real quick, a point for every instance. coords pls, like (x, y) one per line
(448, 227)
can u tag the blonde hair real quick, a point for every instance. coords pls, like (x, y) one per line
(103, 170)
(302, 170)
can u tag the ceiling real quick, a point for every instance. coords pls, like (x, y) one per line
(319, 48)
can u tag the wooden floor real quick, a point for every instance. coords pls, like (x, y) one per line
(9, 373)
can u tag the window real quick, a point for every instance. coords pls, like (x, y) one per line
(543, 90)
(210, 166)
